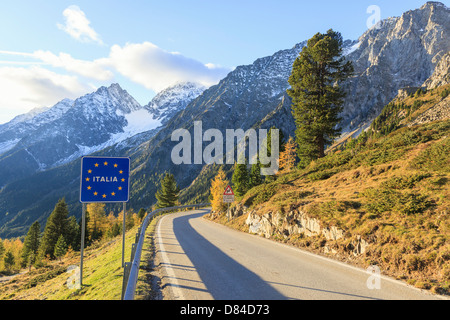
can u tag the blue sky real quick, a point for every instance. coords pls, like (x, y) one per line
(50, 50)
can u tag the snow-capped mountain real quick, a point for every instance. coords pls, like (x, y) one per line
(69, 128)
(21, 126)
(49, 137)
(170, 101)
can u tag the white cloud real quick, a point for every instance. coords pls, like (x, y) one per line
(78, 26)
(143, 63)
(90, 69)
(26, 88)
(157, 69)
(96, 69)
(29, 84)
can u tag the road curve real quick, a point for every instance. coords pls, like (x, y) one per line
(201, 260)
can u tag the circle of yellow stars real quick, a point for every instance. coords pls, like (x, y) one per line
(97, 165)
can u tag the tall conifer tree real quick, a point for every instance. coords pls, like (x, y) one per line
(317, 96)
(240, 179)
(60, 247)
(57, 225)
(31, 244)
(255, 178)
(167, 195)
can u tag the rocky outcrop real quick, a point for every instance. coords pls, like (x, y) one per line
(441, 75)
(297, 222)
(404, 93)
(439, 112)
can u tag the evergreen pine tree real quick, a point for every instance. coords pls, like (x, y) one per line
(167, 195)
(269, 148)
(73, 234)
(9, 260)
(115, 230)
(141, 214)
(2, 248)
(240, 179)
(316, 94)
(31, 244)
(60, 247)
(57, 225)
(255, 178)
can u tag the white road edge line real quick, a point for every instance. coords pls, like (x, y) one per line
(176, 288)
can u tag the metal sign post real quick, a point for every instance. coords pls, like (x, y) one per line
(104, 180)
(228, 197)
(123, 233)
(83, 235)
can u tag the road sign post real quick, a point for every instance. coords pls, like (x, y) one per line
(104, 180)
(83, 235)
(228, 197)
(123, 232)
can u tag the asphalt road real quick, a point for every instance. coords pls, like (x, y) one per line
(202, 260)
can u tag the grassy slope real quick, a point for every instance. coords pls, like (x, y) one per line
(102, 275)
(392, 189)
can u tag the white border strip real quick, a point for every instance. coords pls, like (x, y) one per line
(176, 288)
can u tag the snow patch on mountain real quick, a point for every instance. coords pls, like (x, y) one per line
(170, 101)
(8, 145)
(351, 49)
(138, 121)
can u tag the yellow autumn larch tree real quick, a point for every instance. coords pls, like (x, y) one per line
(218, 186)
(97, 223)
(288, 156)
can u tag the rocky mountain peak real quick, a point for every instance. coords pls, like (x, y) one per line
(174, 99)
(400, 52)
(433, 5)
(108, 100)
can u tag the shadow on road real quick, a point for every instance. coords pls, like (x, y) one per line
(224, 278)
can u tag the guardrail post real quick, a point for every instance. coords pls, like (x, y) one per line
(136, 238)
(126, 276)
(133, 251)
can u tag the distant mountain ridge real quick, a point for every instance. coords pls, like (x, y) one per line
(46, 138)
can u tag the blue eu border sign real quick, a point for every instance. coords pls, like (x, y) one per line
(105, 180)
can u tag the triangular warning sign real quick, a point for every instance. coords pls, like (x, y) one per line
(228, 192)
